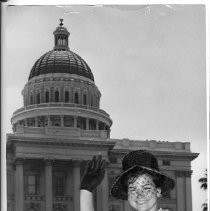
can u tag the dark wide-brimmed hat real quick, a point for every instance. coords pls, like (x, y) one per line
(137, 161)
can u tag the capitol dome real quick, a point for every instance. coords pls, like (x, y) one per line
(60, 97)
(61, 59)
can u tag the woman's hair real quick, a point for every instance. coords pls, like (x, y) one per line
(132, 176)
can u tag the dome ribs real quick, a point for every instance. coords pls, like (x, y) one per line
(61, 61)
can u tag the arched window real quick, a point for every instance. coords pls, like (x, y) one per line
(47, 97)
(38, 98)
(76, 98)
(66, 96)
(85, 99)
(56, 96)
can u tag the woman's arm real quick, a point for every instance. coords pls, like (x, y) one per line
(92, 177)
(86, 200)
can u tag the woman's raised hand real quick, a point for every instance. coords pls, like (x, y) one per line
(94, 174)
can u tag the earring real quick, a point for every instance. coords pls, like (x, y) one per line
(158, 192)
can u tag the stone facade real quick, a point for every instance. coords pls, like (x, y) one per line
(60, 127)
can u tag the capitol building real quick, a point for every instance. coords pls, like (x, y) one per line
(61, 126)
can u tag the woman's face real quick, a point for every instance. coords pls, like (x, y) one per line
(142, 193)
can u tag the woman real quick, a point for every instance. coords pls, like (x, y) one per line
(140, 182)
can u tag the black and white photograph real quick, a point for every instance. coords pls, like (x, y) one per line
(104, 107)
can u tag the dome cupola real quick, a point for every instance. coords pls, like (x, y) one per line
(61, 37)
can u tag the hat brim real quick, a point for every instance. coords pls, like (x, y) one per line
(119, 190)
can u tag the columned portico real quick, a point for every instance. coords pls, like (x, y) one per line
(19, 184)
(48, 184)
(76, 182)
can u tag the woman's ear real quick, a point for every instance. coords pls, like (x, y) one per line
(158, 192)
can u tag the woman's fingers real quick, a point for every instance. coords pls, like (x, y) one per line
(93, 162)
(103, 164)
(98, 162)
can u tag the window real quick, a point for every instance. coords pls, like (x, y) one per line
(166, 163)
(92, 124)
(41, 121)
(31, 122)
(47, 97)
(55, 120)
(66, 96)
(101, 126)
(59, 180)
(76, 98)
(22, 122)
(56, 96)
(31, 184)
(68, 121)
(81, 123)
(85, 99)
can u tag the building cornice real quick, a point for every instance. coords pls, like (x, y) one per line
(15, 140)
(174, 155)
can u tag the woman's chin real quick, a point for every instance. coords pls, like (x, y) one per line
(143, 206)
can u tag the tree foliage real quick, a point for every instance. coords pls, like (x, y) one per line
(204, 186)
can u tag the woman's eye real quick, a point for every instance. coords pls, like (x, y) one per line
(132, 189)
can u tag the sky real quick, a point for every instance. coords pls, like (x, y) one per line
(148, 62)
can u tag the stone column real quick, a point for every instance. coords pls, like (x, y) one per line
(188, 190)
(105, 192)
(48, 120)
(76, 178)
(75, 122)
(87, 123)
(62, 120)
(62, 94)
(48, 185)
(42, 95)
(97, 125)
(52, 99)
(36, 121)
(19, 194)
(180, 191)
(26, 124)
